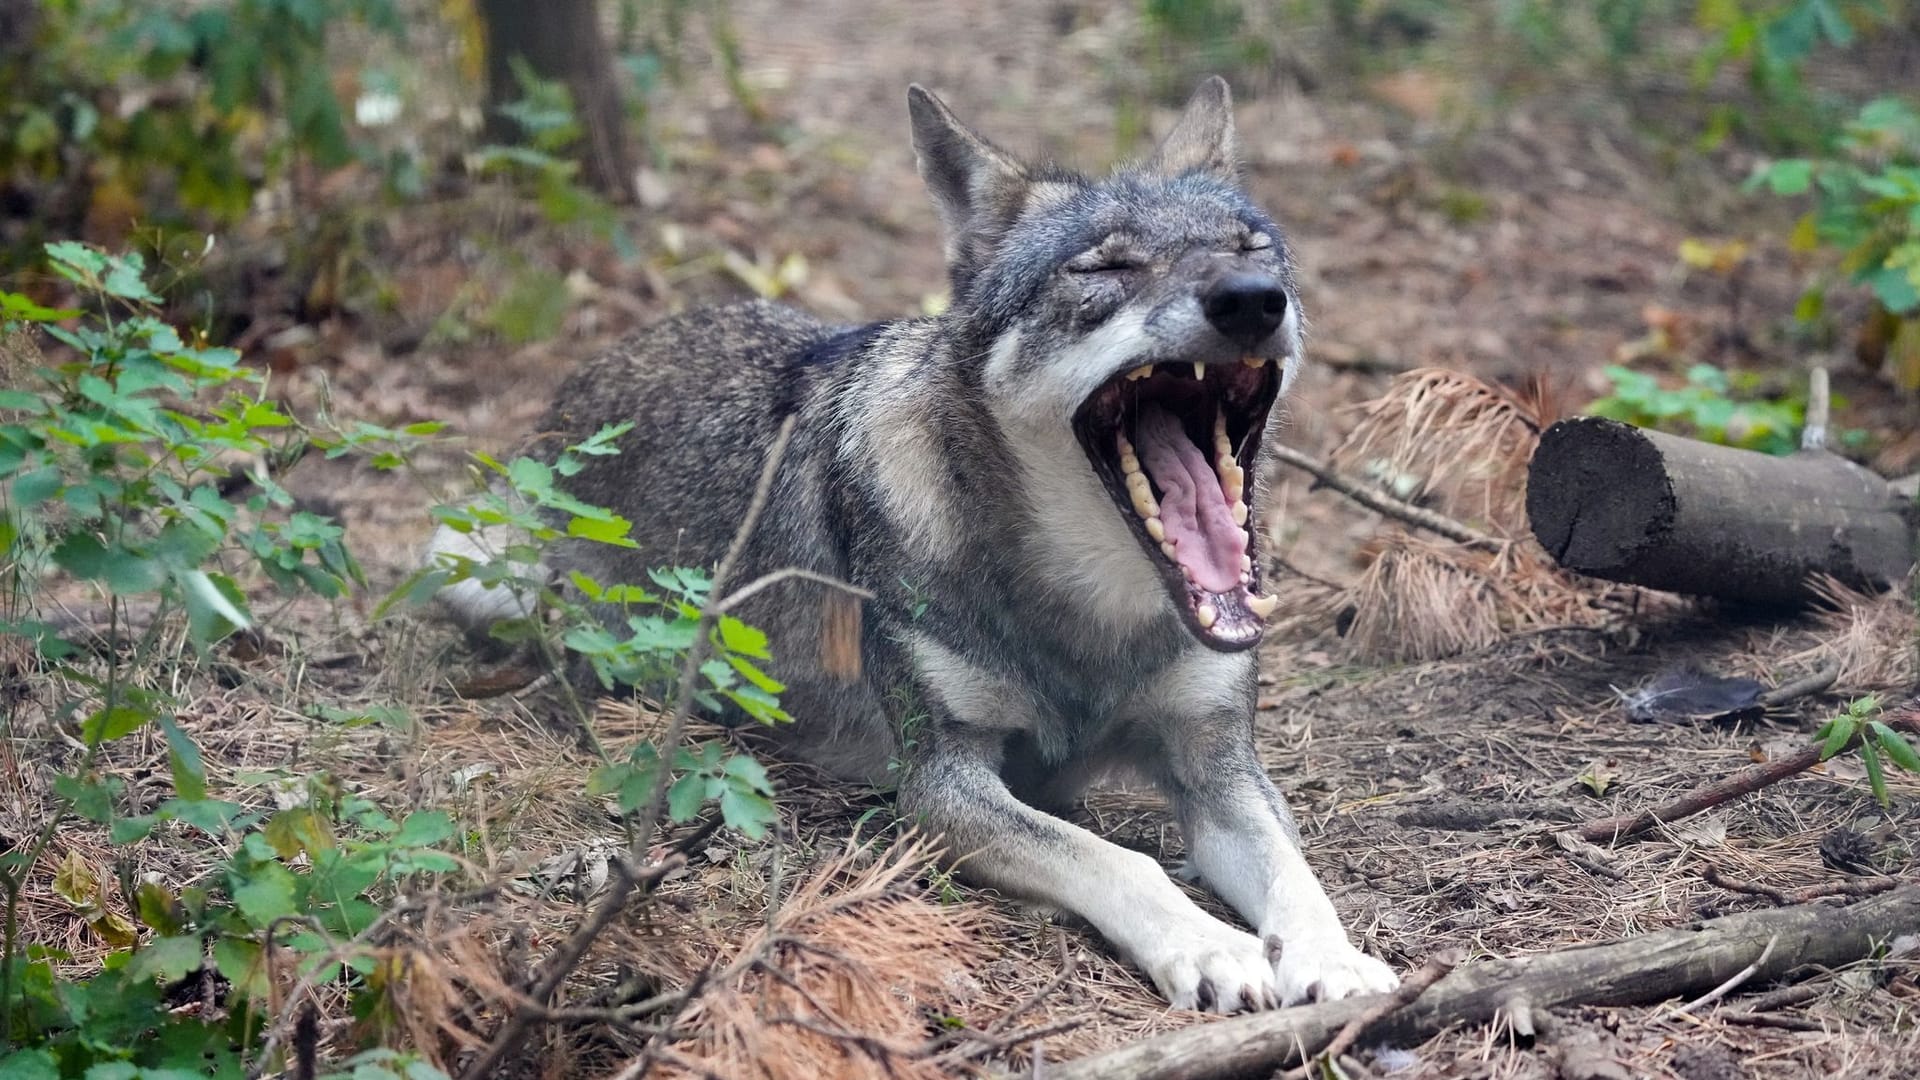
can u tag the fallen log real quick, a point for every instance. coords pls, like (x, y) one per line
(1613, 501)
(1635, 971)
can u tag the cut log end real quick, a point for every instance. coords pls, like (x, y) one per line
(1645, 508)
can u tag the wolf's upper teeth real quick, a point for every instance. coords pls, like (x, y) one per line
(1138, 486)
(1199, 370)
(1246, 563)
(1222, 446)
(1239, 512)
(1254, 361)
(1156, 529)
(1166, 548)
(1143, 503)
(1262, 606)
(1205, 616)
(1233, 481)
(1140, 372)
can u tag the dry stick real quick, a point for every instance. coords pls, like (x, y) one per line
(1813, 435)
(1384, 1005)
(1785, 897)
(1805, 686)
(1707, 796)
(703, 633)
(1638, 970)
(1382, 503)
(1733, 982)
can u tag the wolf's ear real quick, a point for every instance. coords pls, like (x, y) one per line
(977, 187)
(1202, 140)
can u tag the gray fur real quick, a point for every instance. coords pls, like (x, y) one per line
(1021, 644)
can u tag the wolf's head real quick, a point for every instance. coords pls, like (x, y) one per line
(1133, 334)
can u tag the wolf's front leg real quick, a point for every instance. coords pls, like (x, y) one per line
(954, 787)
(1242, 840)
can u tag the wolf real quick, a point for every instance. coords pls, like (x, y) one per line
(1049, 490)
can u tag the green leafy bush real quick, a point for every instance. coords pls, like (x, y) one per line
(142, 466)
(241, 89)
(1866, 208)
(1703, 409)
(1879, 743)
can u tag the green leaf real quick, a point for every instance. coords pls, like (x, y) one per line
(239, 962)
(91, 799)
(189, 772)
(686, 796)
(36, 487)
(127, 830)
(613, 531)
(215, 605)
(1788, 177)
(110, 724)
(1897, 749)
(746, 811)
(424, 829)
(157, 907)
(29, 1065)
(266, 895)
(748, 770)
(169, 958)
(1837, 732)
(741, 638)
(1876, 776)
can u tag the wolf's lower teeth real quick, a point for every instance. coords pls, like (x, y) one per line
(1262, 606)
(1205, 615)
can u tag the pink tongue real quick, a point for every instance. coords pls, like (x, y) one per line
(1192, 506)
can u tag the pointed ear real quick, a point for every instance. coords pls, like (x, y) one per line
(977, 188)
(1202, 140)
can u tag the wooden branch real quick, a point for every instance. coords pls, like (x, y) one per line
(1380, 502)
(1813, 433)
(1625, 504)
(1638, 970)
(1385, 1005)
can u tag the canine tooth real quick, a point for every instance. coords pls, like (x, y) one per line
(1156, 529)
(1239, 512)
(1205, 616)
(1262, 606)
(1140, 372)
(1199, 370)
(1254, 361)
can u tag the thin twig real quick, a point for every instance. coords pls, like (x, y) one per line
(764, 581)
(697, 653)
(1788, 897)
(1409, 991)
(1380, 502)
(1813, 436)
(1804, 686)
(1733, 983)
(1707, 796)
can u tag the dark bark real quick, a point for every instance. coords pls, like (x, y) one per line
(561, 40)
(1638, 970)
(1622, 503)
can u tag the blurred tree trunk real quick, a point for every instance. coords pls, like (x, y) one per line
(561, 41)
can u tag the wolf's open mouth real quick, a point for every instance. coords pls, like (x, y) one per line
(1173, 443)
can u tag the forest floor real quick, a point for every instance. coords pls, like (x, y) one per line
(1531, 247)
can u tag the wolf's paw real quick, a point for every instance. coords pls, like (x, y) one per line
(1325, 967)
(1213, 969)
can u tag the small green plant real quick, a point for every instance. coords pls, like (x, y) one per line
(119, 472)
(1702, 408)
(1878, 742)
(1866, 208)
(626, 634)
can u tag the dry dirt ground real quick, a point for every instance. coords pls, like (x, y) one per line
(1530, 245)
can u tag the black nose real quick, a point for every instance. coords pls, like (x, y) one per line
(1246, 308)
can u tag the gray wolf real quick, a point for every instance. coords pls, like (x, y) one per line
(1050, 490)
